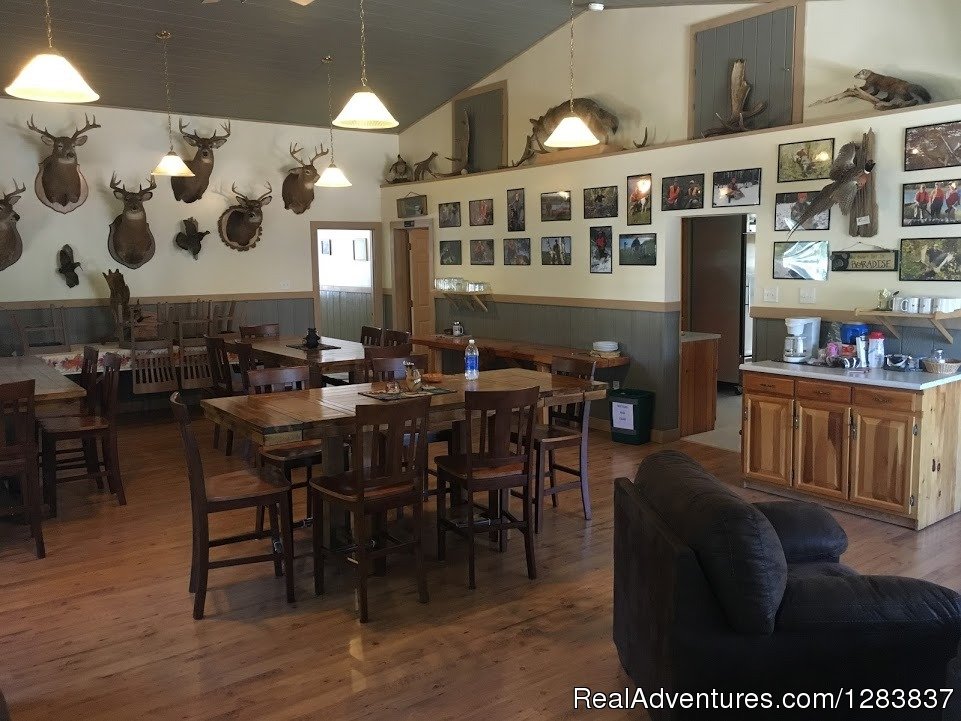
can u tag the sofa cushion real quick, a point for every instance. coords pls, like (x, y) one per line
(735, 543)
(811, 569)
(806, 530)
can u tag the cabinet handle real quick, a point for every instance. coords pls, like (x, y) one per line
(934, 464)
(767, 385)
(822, 393)
(880, 399)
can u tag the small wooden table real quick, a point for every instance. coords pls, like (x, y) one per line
(51, 384)
(539, 355)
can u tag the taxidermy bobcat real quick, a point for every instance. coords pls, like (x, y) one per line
(892, 92)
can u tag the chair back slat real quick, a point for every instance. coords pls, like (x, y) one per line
(18, 419)
(273, 380)
(396, 337)
(389, 369)
(371, 335)
(392, 441)
(574, 415)
(221, 377)
(88, 377)
(257, 332)
(505, 424)
(195, 468)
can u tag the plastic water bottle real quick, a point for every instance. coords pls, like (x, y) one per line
(471, 361)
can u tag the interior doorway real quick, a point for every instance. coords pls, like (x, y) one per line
(413, 306)
(346, 277)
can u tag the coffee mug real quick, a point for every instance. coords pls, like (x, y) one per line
(943, 305)
(924, 305)
(908, 305)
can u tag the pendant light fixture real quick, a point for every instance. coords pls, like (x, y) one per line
(364, 111)
(571, 132)
(171, 164)
(50, 78)
(332, 177)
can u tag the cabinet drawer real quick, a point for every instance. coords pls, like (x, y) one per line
(768, 385)
(887, 399)
(827, 392)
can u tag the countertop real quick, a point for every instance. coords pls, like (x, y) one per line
(912, 381)
(692, 337)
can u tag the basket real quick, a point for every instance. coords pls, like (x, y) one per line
(949, 367)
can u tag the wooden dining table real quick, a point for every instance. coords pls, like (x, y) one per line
(51, 384)
(344, 356)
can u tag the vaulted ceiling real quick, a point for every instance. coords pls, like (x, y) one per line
(261, 59)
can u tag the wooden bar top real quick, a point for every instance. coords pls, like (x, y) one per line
(51, 384)
(516, 350)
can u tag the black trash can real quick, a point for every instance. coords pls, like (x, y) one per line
(632, 415)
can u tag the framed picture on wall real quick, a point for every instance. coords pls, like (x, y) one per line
(516, 211)
(556, 205)
(790, 207)
(360, 249)
(847, 261)
(931, 259)
(682, 192)
(448, 215)
(933, 146)
(517, 251)
(325, 246)
(637, 249)
(600, 202)
(737, 187)
(639, 209)
(602, 250)
(451, 253)
(932, 203)
(481, 212)
(801, 260)
(482, 252)
(412, 206)
(808, 160)
(556, 250)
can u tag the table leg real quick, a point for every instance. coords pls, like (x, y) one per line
(435, 360)
(336, 526)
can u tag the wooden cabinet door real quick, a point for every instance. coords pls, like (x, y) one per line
(767, 433)
(822, 443)
(883, 459)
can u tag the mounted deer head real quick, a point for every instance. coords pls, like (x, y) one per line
(11, 245)
(240, 225)
(192, 189)
(60, 184)
(130, 241)
(298, 188)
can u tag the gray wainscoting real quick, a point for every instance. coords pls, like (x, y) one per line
(343, 312)
(649, 338)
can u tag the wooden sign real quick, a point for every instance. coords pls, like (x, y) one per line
(864, 260)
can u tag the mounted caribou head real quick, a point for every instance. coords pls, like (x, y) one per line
(240, 224)
(11, 246)
(130, 241)
(298, 189)
(60, 184)
(192, 189)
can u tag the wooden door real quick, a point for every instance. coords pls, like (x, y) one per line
(822, 445)
(766, 438)
(882, 459)
(421, 282)
(698, 409)
(402, 290)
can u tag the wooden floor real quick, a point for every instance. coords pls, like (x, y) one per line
(102, 628)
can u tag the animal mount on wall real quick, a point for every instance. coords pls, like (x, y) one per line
(298, 189)
(852, 189)
(11, 244)
(119, 300)
(736, 122)
(60, 185)
(240, 225)
(130, 241)
(423, 168)
(67, 266)
(399, 172)
(190, 190)
(191, 237)
(883, 92)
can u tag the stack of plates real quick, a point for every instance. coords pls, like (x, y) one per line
(605, 346)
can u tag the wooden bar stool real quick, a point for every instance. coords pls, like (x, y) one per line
(18, 454)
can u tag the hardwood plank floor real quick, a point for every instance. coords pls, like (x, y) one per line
(102, 628)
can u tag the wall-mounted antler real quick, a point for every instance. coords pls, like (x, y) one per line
(60, 185)
(130, 241)
(11, 245)
(192, 189)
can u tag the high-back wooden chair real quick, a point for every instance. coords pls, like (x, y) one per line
(221, 382)
(47, 336)
(87, 381)
(193, 361)
(389, 369)
(372, 352)
(245, 363)
(228, 492)
(394, 439)
(270, 380)
(259, 332)
(371, 335)
(396, 337)
(499, 458)
(18, 454)
(225, 316)
(152, 366)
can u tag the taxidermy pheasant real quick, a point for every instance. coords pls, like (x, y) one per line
(849, 177)
(67, 266)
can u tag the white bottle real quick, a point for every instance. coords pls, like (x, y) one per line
(471, 361)
(876, 350)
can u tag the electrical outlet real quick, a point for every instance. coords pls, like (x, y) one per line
(771, 295)
(285, 285)
(808, 295)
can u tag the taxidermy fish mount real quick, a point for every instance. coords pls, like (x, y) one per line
(883, 92)
(740, 90)
(67, 266)
(191, 237)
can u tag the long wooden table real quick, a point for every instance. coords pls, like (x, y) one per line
(51, 384)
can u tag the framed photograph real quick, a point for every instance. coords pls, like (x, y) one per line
(517, 251)
(931, 259)
(639, 189)
(737, 187)
(325, 246)
(810, 160)
(360, 249)
(932, 203)
(448, 215)
(682, 192)
(600, 202)
(482, 252)
(602, 250)
(412, 206)
(933, 146)
(790, 207)
(481, 212)
(637, 249)
(556, 206)
(451, 253)
(556, 250)
(844, 261)
(516, 211)
(801, 260)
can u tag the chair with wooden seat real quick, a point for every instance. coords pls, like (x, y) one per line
(89, 430)
(392, 480)
(371, 335)
(389, 369)
(224, 316)
(87, 380)
(396, 337)
(152, 366)
(46, 336)
(244, 353)
(222, 383)
(18, 454)
(259, 332)
(498, 459)
(372, 352)
(228, 492)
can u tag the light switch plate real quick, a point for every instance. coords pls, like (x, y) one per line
(808, 295)
(771, 295)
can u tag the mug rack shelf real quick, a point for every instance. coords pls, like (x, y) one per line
(884, 317)
(467, 301)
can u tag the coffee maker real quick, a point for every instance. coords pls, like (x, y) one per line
(801, 343)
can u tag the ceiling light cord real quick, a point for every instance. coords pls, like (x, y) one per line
(363, 46)
(49, 21)
(164, 36)
(330, 107)
(572, 57)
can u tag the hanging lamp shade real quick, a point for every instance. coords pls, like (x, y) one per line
(172, 165)
(333, 177)
(571, 132)
(50, 78)
(365, 111)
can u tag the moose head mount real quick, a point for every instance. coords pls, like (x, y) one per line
(130, 241)
(240, 225)
(298, 188)
(67, 266)
(192, 189)
(11, 245)
(60, 185)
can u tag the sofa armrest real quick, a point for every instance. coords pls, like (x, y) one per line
(806, 530)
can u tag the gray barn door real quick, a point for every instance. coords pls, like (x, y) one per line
(766, 42)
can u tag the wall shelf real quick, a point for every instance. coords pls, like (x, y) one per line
(467, 301)
(884, 317)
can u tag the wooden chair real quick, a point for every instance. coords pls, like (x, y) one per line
(224, 317)
(372, 352)
(370, 335)
(88, 381)
(18, 454)
(245, 364)
(258, 332)
(193, 367)
(498, 459)
(228, 492)
(221, 383)
(396, 337)
(88, 429)
(51, 336)
(152, 366)
(393, 480)
(388, 369)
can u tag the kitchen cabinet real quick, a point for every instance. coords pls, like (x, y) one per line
(767, 432)
(883, 459)
(698, 382)
(822, 445)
